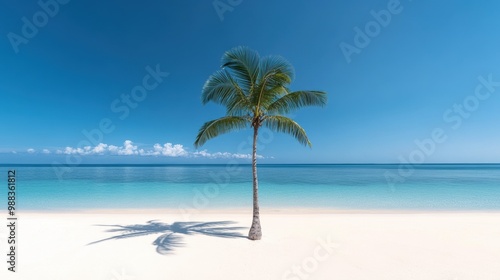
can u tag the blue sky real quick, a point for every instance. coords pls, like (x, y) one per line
(392, 82)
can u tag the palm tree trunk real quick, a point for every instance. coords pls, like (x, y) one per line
(255, 231)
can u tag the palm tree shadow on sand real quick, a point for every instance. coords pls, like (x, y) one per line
(172, 235)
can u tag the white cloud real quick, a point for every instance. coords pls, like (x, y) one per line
(203, 153)
(206, 154)
(160, 150)
(113, 149)
(31, 151)
(71, 151)
(128, 149)
(100, 149)
(168, 150)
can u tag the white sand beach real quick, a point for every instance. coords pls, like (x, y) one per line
(296, 244)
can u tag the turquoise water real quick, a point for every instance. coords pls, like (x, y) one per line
(442, 187)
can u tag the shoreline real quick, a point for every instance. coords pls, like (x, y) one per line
(277, 210)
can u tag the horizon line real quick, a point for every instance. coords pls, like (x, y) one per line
(223, 164)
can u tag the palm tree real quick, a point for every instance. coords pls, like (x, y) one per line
(255, 92)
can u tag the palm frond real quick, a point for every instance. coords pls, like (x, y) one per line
(275, 73)
(244, 64)
(288, 126)
(269, 95)
(296, 100)
(220, 126)
(277, 70)
(222, 89)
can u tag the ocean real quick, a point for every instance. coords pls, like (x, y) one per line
(454, 187)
